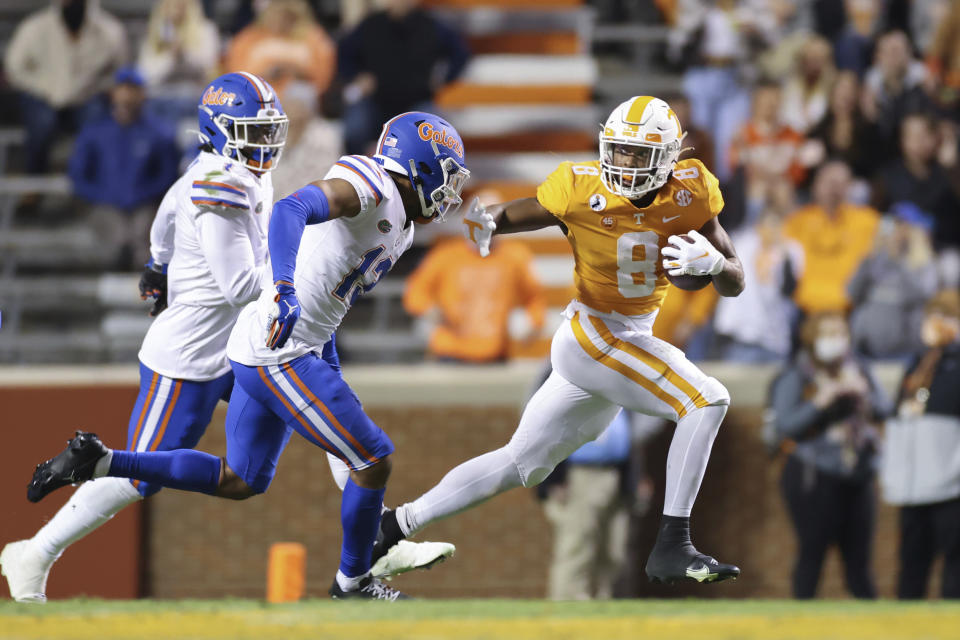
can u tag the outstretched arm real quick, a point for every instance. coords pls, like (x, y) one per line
(526, 214)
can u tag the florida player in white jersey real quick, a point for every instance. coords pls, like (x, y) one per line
(328, 242)
(215, 216)
(620, 214)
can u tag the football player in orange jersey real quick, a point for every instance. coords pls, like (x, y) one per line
(624, 216)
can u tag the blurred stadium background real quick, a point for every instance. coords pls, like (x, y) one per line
(771, 91)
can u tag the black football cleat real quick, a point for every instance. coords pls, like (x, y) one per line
(684, 562)
(75, 464)
(370, 589)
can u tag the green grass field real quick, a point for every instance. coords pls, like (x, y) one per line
(481, 619)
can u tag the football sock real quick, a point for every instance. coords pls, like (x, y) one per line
(183, 469)
(390, 529)
(92, 504)
(688, 456)
(467, 485)
(347, 583)
(674, 532)
(341, 472)
(360, 517)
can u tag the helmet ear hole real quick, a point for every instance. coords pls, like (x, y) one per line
(424, 168)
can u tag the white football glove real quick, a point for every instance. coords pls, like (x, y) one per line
(697, 258)
(478, 227)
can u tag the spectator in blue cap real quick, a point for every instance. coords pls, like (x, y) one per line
(121, 165)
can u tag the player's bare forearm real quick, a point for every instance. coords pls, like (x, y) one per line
(526, 214)
(729, 282)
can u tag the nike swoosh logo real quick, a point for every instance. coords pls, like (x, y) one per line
(671, 218)
(705, 254)
(700, 574)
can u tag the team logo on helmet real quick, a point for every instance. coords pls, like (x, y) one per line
(683, 197)
(597, 202)
(384, 226)
(217, 96)
(440, 136)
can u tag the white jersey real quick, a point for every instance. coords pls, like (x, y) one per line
(337, 261)
(211, 229)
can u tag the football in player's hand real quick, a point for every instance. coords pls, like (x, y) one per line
(689, 283)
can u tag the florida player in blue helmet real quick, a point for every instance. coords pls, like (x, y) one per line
(216, 216)
(329, 242)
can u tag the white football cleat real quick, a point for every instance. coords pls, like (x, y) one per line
(407, 556)
(26, 569)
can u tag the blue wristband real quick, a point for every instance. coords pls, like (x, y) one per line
(152, 264)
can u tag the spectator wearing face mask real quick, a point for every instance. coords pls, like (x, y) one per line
(921, 462)
(61, 59)
(823, 406)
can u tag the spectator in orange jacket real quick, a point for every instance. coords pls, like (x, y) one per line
(284, 44)
(836, 236)
(472, 298)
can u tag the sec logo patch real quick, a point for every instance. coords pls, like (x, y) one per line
(683, 197)
(597, 202)
(608, 222)
(384, 226)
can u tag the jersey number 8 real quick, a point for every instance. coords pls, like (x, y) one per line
(637, 255)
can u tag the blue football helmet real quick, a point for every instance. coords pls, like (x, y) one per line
(241, 118)
(428, 150)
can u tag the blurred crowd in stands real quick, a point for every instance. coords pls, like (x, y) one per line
(70, 68)
(831, 125)
(834, 129)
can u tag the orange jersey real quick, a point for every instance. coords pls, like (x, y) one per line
(616, 246)
(475, 296)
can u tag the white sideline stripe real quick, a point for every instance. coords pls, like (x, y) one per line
(637, 365)
(153, 418)
(313, 417)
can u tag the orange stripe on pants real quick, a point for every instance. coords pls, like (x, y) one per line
(621, 368)
(143, 411)
(333, 420)
(286, 403)
(650, 360)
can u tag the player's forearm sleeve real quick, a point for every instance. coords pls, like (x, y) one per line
(290, 215)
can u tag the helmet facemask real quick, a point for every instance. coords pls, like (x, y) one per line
(631, 168)
(257, 142)
(445, 198)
